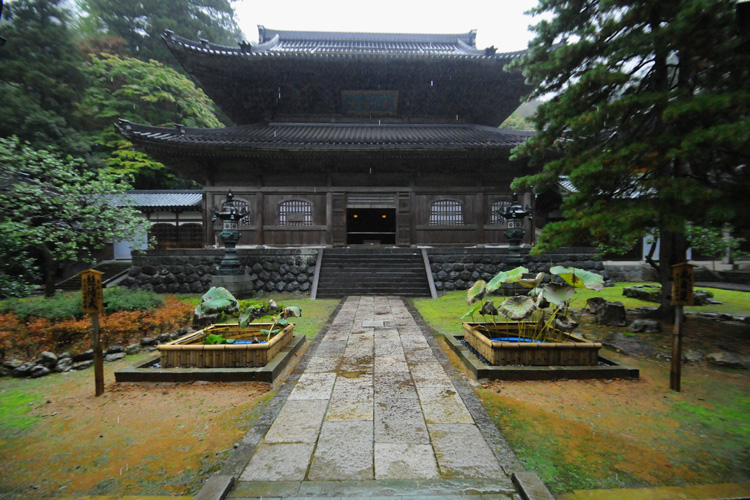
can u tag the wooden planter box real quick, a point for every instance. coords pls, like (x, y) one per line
(575, 351)
(190, 352)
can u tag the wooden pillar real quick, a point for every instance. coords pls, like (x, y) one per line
(481, 217)
(259, 219)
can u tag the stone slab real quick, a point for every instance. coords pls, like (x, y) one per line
(278, 462)
(400, 421)
(299, 421)
(389, 364)
(405, 461)
(396, 384)
(313, 386)
(344, 452)
(443, 406)
(461, 451)
(373, 324)
(430, 375)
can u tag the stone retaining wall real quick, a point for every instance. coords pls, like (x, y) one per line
(292, 270)
(190, 271)
(458, 269)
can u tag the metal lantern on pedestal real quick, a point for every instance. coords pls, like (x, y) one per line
(515, 215)
(230, 216)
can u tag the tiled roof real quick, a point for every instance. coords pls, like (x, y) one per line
(166, 199)
(325, 136)
(336, 44)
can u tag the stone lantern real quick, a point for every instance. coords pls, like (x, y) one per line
(230, 216)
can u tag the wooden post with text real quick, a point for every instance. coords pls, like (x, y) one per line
(682, 295)
(92, 303)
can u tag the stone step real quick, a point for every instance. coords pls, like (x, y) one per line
(111, 270)
(431, 488)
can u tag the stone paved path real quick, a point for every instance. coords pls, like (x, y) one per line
(375, 402)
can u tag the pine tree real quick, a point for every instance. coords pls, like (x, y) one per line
(647, 116)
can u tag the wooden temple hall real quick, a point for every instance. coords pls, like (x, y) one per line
(351, 138)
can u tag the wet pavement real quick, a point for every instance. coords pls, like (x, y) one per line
(376, 410)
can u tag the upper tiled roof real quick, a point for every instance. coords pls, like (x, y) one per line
(324, 44)
(327, 137)
(166, 199)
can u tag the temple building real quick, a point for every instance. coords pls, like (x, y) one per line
(346, 139)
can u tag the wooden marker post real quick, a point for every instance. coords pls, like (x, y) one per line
(92, 303)
(682, 295)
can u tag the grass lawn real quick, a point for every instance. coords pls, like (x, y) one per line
(57, 439)
(623, 433)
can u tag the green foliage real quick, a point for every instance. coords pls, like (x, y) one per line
(579, 278)
(142, 92)
(17, 269)
(714, 242)
(502, 277)
(60, 207)
(647, 116)
(41, 78)
(123, 299)
(214, 339)
(141, 24)
(68, 305)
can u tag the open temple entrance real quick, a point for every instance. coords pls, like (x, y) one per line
(371, 226)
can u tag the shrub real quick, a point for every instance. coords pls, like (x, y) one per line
(122, 299)
(63, 306)
(27, 336)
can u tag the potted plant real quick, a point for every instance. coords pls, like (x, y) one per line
(537, 327)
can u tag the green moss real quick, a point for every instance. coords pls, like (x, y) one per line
(16, 404)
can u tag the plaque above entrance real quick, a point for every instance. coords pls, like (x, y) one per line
(370, 102)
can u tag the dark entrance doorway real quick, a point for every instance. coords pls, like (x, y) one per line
(371, 226)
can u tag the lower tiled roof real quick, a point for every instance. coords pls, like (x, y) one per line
(165, 199)
(327, 136)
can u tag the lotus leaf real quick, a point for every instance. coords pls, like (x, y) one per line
(558, 293)
(564, 323)
(291, 311)
(471, 312)
(532, 282)
(476, 292)
(506, 277)
(489, 309)
(579, 278)
(218, 300)
(518, 307)
(250, 315)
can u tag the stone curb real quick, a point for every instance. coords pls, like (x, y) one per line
(530, 486)
(216, 488)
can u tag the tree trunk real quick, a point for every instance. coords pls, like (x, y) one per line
(50, 271)
(672, 250)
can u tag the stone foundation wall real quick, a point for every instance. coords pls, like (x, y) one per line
(292, 270)
(458, 269)
(190, 271)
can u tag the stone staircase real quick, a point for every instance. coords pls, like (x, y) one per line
(387, 271)
(112, 270)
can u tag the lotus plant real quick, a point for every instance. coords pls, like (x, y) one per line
(522, 307)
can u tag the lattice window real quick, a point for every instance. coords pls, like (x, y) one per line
(496, 211)
(165, 235)
(295, 213)
(446, 213)
(191, 235)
